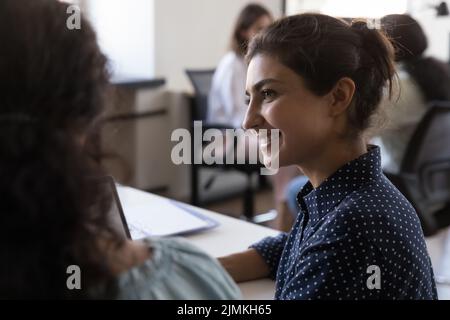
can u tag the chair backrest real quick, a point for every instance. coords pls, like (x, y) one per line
(428, 153)
(201, 81)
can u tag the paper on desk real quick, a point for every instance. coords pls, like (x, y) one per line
(161, 219)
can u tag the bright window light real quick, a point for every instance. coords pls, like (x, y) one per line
(71, 1)
(349, 8)
(125, 30)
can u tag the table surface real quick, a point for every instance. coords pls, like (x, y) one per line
(231, 236)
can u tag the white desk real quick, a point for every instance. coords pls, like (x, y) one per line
(232, 235)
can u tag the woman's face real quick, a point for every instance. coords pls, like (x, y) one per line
(257, 26)
(280, 100)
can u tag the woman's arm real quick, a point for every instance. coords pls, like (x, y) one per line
(260, 261)
(245, 266)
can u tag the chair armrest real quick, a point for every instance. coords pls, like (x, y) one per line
(428, 170)
(402, 182)
(401, 177)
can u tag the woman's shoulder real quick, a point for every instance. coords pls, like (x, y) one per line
(176, 248)
(376, 204)
(177, 270)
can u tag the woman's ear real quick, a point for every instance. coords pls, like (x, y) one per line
(342, 96)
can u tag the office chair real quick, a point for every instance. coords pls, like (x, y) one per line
(424, 176)
(201, 81)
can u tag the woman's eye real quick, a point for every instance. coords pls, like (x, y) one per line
(268, 94)
(247, 100)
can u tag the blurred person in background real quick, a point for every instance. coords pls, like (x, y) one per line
(228, 102)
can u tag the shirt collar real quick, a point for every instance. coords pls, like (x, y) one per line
(350, 177)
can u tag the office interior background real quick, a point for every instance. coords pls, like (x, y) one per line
(152, 44)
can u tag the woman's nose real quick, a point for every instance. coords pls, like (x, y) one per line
(253, 119)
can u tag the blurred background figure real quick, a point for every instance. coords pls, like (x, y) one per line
(421, 80)
(227, 99)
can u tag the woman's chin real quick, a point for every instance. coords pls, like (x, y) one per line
(271, 162)
(274, 162)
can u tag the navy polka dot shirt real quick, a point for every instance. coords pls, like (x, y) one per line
(356, 237)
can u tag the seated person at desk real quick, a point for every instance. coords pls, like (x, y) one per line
(228, 103)
(420, 80)
(319, 80)
(52, 216)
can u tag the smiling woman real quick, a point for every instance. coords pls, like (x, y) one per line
(319, 80)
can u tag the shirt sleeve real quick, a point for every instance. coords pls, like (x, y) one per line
(341, 267)
(177, 271)
(270, 249)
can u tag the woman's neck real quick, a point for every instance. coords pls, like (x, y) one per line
(326, 163)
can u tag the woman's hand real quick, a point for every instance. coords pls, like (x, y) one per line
(245, 266)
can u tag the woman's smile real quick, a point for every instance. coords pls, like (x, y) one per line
(270, 144)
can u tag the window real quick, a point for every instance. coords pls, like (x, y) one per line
(348, 8)
(125, 30)
(77, 2)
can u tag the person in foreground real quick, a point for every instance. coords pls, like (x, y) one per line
(53, 210)
(319, 81)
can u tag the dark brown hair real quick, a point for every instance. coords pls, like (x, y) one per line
(52, 210)
(410, 43)
(322, 50)
(248, 16)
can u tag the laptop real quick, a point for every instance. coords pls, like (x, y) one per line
(157, 217)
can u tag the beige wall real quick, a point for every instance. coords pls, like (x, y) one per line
(194, 34)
